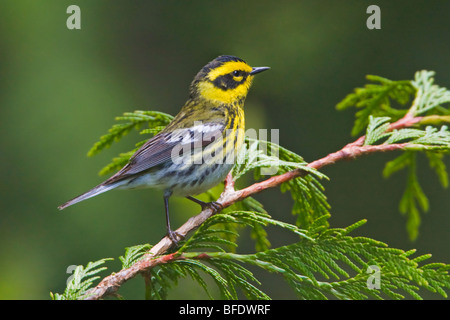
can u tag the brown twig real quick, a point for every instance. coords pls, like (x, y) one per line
(110, 284)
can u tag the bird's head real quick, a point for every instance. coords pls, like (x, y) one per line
(225, 79)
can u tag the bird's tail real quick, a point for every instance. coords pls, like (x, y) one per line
(91, 193)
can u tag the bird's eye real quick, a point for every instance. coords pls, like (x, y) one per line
(236, 73)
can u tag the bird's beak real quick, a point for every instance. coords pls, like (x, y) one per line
(258, 70)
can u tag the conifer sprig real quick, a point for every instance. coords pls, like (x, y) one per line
(428, 112)
(382, 97)
(325, 262)
(81, 280)
(128, 121)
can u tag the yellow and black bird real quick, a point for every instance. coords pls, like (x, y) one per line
(198, 148)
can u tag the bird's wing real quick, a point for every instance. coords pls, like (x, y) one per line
(165, 145)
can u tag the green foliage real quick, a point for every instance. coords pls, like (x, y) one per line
(277, 159)
(438, 165)
(413, 196)
(429, 96)
(430, 100)
(81, 280)
(324, 262)
(133, 254)
(132, 120)
(377, 129)
(414, 199)
(429, 138)
(307, 192)
(383, 97)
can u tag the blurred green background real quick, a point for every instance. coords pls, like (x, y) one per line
(60, 90)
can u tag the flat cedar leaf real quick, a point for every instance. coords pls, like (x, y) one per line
(413, 197)
(117, 163)
(324, 262)
(133, 254)
(397, 164)
(432, 138)
(421, 198)
(114, 134)
(132, 120)
(429, 95)
(436, 162)
(376, 129)
(375, 99)
(81, 280)
(403, 135)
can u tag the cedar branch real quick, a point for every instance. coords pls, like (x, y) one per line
(110, 284)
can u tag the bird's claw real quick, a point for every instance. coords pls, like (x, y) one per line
(174, 236)
(216, 206)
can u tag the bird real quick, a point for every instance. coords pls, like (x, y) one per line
(198, 148)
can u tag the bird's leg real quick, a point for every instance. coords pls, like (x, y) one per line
(214, 205)
(173, 235)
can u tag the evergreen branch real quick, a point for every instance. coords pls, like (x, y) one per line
(307, 192)
(229, 196)
(376, 99)
(133, 254)
(134, 119)
(429, 95)
(81, 280)
(300, 264)
(294, 174)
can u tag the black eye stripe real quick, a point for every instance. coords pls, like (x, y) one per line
(227, 82)
(239, 73)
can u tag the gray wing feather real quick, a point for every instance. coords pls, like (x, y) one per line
(158, 149)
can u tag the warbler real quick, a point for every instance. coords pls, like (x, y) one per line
(198, 148)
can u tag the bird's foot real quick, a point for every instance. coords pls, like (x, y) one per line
(216, 206)
(174, 236)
